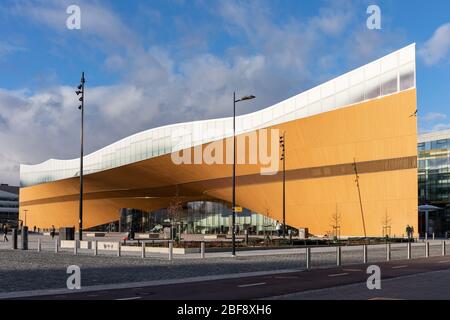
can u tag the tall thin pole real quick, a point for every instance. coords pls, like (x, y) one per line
(283, 149)
(233, 219)
(360, 200)
(80, 227)
(25, 222)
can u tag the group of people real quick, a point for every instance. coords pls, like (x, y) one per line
(409, 231)
(6, 230)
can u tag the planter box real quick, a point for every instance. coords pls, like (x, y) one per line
(146, 236)
(214, 236)
(95, 234)
(162, 250)
(70, 244)
(107, 246)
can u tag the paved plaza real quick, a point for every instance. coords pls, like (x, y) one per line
(31, 270)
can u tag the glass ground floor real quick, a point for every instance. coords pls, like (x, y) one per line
(199, 217)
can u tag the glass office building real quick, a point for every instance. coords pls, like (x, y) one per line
(434, 180)
(9, 205)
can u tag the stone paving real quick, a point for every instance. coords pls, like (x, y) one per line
(31, 270)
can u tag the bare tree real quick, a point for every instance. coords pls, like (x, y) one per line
(336, 223)
(386, 223)
(175, 212)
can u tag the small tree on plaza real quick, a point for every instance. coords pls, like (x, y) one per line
(175, 213)
(336, 223)
(386, 223)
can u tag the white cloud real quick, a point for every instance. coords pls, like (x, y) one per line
(433, 116)
(441, 127)
(7, 49)
(437, 47)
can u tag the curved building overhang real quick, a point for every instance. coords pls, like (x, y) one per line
(386, 76)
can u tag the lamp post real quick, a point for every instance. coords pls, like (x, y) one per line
(81, 107)
(25, 218)
(233, 220)
(283, 158)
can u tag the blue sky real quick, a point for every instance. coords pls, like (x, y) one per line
(151, 63)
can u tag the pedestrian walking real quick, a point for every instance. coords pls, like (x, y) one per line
(52, 232)
(278, 228)
(5, 233)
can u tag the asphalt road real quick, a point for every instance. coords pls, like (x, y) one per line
(293, 285)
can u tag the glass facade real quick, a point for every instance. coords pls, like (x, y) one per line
(434, 180)
(9, 208)
(388, 75)
(198, 217)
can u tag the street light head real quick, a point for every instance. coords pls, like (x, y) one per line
(248, 97)
(78, 92)
(79, 107)
(80, 86)
(81, 99)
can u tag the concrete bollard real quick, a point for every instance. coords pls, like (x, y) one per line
(427, 249)
(142, 251)
(365, 253)
(338, 256)
(75, 247)
(388, 252)
(95, 247)
(408, 255)
(24, 238)
(119, 248)
(39, 245)
(202, 250)
(170, 250)
(14, 239)
(56, 245)
(443, 248)
(308, 258)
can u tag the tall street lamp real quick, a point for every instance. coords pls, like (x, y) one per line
(283, 158)
(80, 91)
(25, 222)
(233, 221)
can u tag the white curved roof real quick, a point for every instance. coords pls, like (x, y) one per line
(391, 74)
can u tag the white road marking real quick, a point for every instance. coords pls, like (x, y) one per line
(352, 270)
(251, 284)
(444, 261)
(399, 267)
(381, 298)
(338, 274)
(132, 298)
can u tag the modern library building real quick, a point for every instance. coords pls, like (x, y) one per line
(350, 155)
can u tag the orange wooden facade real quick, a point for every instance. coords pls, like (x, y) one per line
(380, 136)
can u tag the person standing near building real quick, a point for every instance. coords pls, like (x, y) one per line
(278, 228)
(52, 232)
(5, 233)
